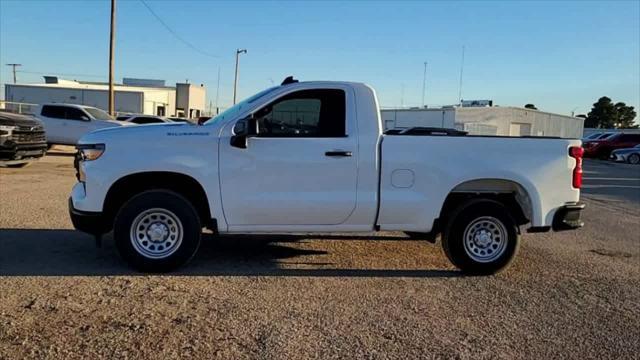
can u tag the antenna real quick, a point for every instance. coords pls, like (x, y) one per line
(461, 70)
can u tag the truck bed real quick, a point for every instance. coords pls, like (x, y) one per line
(419, 170)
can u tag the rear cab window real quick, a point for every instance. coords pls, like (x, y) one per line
(53, 111)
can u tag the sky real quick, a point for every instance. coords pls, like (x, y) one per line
(560, 56)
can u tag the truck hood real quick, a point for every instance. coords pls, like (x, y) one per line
(10, 119)
(137, 135)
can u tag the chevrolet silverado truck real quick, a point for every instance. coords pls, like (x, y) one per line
(312, 157)
(22, 140)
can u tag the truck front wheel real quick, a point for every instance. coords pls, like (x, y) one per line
(481, 237)
(157, 231)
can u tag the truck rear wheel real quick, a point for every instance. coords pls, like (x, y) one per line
(157, 231)
(481, 237)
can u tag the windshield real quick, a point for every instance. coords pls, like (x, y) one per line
(234, 110)
(593, 136)
(604, 136)
(98, 114)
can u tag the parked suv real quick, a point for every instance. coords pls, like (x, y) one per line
(22, 139)
(67, 123)
(602, 148)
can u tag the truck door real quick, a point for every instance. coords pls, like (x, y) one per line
(77, 123)
(300, 169)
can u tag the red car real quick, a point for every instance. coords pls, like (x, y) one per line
(602, 148)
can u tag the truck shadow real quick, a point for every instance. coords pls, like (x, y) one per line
(48, 252)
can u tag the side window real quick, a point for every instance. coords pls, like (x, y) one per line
(75, 114)
(306, 113)
(56, 112)
(145, 120)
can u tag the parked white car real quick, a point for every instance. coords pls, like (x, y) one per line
(144, 119)
(66, 123)
(312, 157)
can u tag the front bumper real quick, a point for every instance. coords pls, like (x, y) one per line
(568, 217)
(617, 157)
(10, 150)
(94, 223)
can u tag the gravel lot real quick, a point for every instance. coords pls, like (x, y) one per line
(572, 295)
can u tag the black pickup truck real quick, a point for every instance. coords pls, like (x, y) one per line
(22, 139)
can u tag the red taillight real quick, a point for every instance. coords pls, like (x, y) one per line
(577, 152)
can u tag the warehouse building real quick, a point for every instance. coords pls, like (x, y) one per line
(502, 121)
(135, 96)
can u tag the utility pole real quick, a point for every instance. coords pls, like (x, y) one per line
(14, 71)
(424, 82)
(112, 35)
(402, 96)
(235, 82)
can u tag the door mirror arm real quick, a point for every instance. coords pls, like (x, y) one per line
(243, 130)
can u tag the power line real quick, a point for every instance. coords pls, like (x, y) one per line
(180, 38)
(59, 74)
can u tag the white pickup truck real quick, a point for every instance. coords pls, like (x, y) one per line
(311, 157)
(65, 124)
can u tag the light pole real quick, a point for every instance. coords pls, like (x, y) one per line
(112, 35)
(424, 82)
(235, 81)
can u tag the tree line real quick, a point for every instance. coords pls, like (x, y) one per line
(605, 114)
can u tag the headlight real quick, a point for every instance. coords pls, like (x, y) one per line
(90, 152)
(6, 130)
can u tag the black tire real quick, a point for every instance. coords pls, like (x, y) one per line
(603, 154)
(179, 212)
(481, 213)
(633, 159)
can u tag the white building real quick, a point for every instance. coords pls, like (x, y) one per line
(503, 121)
(136, 96)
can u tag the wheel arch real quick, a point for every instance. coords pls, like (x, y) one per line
(129, 185)
(520, 201)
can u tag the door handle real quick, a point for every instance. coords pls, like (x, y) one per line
(338, 153)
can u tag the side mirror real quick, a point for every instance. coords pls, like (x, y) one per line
(84, 118)
(242, 130)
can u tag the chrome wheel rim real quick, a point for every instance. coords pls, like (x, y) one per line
(156, 233)
(634, 159)
(485, 239)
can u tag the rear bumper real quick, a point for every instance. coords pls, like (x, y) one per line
(94, 223)
(568, 217)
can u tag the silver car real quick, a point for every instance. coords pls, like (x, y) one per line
(629, 155)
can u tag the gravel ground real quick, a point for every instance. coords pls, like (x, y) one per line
(569, 295)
